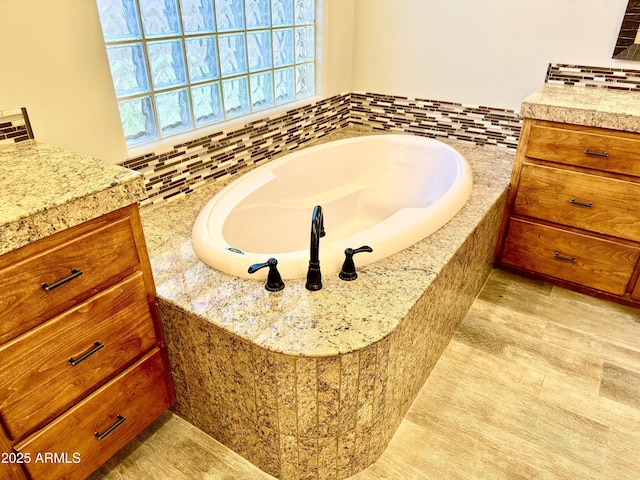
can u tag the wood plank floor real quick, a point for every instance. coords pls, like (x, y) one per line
(538, 382)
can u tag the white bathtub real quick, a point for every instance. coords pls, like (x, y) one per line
(385, 191)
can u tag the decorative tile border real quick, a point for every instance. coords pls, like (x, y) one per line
(188, 166)
(436, 119)
(14, 126)
(593, 77)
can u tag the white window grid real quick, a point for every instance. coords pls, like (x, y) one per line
(159, 100)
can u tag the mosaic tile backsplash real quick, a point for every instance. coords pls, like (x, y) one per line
(593, 77)
(14, 126)
(431, 118)
(185, 167)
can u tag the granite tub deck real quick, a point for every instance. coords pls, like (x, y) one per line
(314, 384)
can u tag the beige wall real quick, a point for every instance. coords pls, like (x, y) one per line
(478, 52)
(56, 67)
(335, 45)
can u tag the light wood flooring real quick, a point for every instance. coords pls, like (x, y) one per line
(538, 382)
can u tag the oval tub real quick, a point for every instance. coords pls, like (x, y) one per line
(385, 191)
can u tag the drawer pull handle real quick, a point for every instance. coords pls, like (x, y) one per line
(120, 421)
(74, 274)
(96, 347)
(563, 258)
(596, 154)
(573, 201)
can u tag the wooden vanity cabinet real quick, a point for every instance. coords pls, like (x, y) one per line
(573, 209)
(83, 363)
(635, 295)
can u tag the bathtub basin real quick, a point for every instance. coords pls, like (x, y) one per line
(385, 191)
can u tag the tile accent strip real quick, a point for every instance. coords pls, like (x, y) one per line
(593, 77)
(188, 166)
(436, 119)
(14, 126)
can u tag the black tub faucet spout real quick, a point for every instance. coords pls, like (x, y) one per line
(314, 277)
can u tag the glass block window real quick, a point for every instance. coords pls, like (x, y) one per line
(178, 65)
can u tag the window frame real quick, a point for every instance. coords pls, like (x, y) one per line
(247, 75)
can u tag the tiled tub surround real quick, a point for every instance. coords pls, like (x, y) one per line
(45, 189)
(314, 384)
(186, 167)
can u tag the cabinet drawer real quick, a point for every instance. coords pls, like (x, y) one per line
(45, 371)
(104, 256)
(585, 149)
(598, 204)
(581, 259)
(118, 411)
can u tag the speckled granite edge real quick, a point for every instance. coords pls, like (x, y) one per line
(88, 207)
(45, 189)
(343, 316)
(591, 107)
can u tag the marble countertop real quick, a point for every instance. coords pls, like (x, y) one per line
(343, 316)
(45, 189)
(591, 107)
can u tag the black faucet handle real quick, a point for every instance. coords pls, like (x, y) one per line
(274, 280)
(348, 271)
